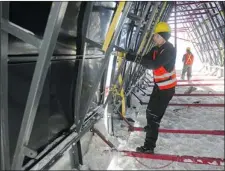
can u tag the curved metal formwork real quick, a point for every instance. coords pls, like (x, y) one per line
(45, 63)
(56, 65)
(204, 23)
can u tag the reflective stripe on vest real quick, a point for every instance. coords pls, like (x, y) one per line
(189, 59)
(167, 84)
(163, 78)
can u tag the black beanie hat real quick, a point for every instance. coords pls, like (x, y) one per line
(165, 35)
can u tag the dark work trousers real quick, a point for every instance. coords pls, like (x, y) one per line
(157, 105)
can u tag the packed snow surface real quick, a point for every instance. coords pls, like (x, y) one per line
(100, 157)
(200, 118)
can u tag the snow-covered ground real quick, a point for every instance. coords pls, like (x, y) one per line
(98, 155)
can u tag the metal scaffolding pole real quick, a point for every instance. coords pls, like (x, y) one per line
(130, 30)
(132, 42)
(20, 33)
(4, 129)
(199, 33)
(110, 118)
(204, 45)
(139, 25)
(191, 14)
(133, 35)
(211, 39)
(213, 23)
(168, 12)
(150, 34)
(216, 29)
(196, 9)
(189, 3)
(208, 42)
(148, 44)
(175, 18)
(157, 19)
(148, 24)
(220, 12)
(128, 69)
(79, 82)
(182, 19)
(46, 49)
(196, 47)
(201, 50)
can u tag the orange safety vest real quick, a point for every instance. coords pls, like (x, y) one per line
(189, 58)
(163, 78)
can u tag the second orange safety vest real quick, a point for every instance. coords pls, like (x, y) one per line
(163, 78)
(189, 59)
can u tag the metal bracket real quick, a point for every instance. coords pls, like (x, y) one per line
(29, 152)
(76, 155)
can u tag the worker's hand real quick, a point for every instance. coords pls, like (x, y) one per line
(130, 56)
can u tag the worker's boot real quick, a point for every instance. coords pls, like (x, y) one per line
(144, 149)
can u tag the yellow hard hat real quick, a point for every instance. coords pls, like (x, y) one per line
(188, 48)
(162, 27)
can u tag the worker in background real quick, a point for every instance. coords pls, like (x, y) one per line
(161, 59)
(188, 60)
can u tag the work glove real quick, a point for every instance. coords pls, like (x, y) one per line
(131, 55)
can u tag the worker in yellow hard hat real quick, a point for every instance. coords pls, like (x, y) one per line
(188, 60)
(161, 59)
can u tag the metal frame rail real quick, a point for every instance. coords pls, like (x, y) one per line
(46, 47)
(4, 142)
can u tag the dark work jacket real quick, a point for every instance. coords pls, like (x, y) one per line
(166, 57)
